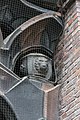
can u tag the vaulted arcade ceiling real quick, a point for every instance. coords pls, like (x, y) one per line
(29, 33)
(13, 13)
(25, 23)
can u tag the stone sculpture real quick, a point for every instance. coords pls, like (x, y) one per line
(36, 65)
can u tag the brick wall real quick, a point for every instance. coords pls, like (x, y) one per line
(67, 61)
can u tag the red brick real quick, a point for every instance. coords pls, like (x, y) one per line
(68, 65)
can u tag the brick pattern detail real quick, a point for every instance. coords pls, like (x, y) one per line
(67, 60)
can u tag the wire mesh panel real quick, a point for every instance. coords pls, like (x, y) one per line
(27, 28)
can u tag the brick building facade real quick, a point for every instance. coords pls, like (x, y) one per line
(68, 64)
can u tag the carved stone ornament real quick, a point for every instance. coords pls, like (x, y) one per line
(36, 64)
(41, 65)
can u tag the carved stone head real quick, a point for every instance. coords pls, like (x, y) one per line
(36, 64)
(41, 65)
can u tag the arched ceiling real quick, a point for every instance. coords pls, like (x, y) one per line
(13, 13)
(22, 24)
(32, 28)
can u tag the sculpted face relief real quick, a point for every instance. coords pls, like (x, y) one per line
(41, 65)
(36, 64)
